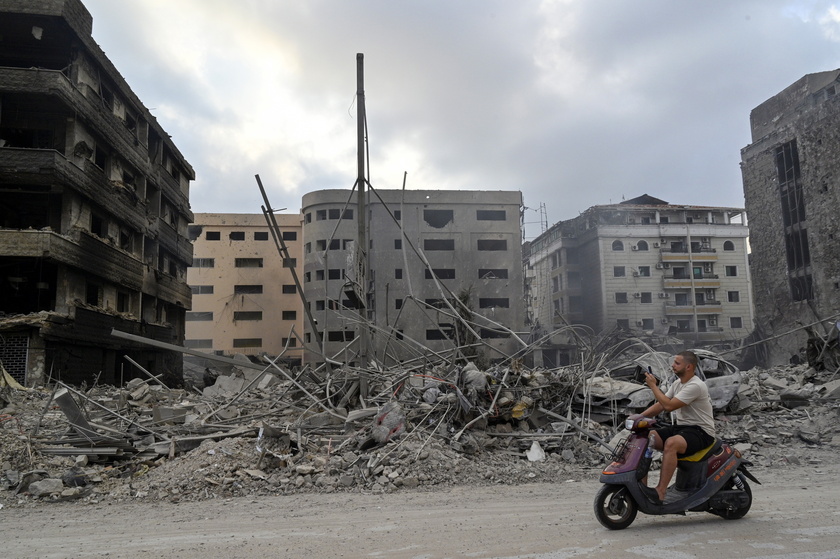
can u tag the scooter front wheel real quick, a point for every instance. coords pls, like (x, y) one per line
(614, 507)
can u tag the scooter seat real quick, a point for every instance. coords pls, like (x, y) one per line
(701, 455)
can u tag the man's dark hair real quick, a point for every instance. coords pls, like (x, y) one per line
(689, 357)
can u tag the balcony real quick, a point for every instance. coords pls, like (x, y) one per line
(709, 307)
(682, 254)
(686, 282)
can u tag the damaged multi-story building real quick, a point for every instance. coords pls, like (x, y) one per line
(94, 207)
(245, 294)
(643, 266)
(444, 275)
(791, 174)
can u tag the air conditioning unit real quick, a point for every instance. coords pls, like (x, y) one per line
(659, 265)
(712, 322)
(662, 241)
(634, 247)
(635, 274)
(666, 265)
(637, 295)
(655, 245)
(639, 323)
(662, 295)
(664, 321)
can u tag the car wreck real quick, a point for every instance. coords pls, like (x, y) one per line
(621, 391)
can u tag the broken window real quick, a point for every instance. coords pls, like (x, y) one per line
(123, 301)
(289, 315)
(204, 263)
(97, 225)
(493, 302)
(492, 273)
(617, 246)
(199, 316)
(647, 297)
(735, 322)
(247, 315)
(490, 215)
(618, 271)
(247, 342)
(248, 263)
(237, 235)
(439, 244)
(202, 289)
(438, 218)
(621, 297)
(247, 289)
(441, 273)
(492, 244)
(490, 333)
(289, 289)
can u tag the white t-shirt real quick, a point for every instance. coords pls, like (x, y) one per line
(698, 408)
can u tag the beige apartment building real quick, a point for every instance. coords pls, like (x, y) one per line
(643, 266)
(245, 298)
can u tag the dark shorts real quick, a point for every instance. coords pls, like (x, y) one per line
(695, 437)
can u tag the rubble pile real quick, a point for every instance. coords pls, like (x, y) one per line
(264, 432)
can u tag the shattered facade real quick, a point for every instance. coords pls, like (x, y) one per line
(245, 299)
(439, 261)
(94, 206)
(791, 174)
(642, 265)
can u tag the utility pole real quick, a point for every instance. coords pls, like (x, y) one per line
(362, 263)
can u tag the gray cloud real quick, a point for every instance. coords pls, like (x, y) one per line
(575, 103)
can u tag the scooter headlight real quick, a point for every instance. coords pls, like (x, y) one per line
(628, 424)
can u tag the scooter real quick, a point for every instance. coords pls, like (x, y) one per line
(712, 480)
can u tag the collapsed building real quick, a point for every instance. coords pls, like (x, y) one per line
(791, 177)
(94, 207)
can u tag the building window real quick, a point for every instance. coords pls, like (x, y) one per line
(340, 335)
(438, 218)
(319, 305)
(260, 235)
(802, 288)
(735, 322)
(237, 235)
(436, 334)
(490, 215)
(644, 271)
(213, 236)
(728, 246)
(248, 263)
(289, 315)
(731, 271)
(555, 284)
(319, 275)
(397, 215)
(289, 289)
(398, 273)
(492, 273)
(642, 245)
(397, 244)
(647, 297)
(199, 344)
(289, 342)
(618, 271)
(335, 244)
(681, 299)
(621, 297)
(321, 245)
(307, 248)
(289, 262)
(247, 289)
(733, 296)
(335, 274)
(348, 214)
(441, 273)
(664, 219)
(335, 213)
(202, 289)
(492, 244)
(623, 323)
(647, 324)
(398, 303)
(247, 315)
(435, 303)
(320, 215)
(439, 244)
(489, 333)
(617, 246)
(683, 326)
(307, 218)
(493, 302)
(289, 235)
(198, 316)
(247, 342)
(204, 262)
(307, 277)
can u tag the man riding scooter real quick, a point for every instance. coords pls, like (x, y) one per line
(694, 429)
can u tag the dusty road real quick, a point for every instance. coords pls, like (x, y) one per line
(794, 515)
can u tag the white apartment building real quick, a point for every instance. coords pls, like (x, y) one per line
(642, 265)
(245, 299)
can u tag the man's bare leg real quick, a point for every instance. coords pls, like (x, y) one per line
(673, 446)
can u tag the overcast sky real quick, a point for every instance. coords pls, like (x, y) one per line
(572, 102)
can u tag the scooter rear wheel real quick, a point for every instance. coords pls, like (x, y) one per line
(735, 514)
(614, 507)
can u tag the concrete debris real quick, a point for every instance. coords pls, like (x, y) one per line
(308, 431)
